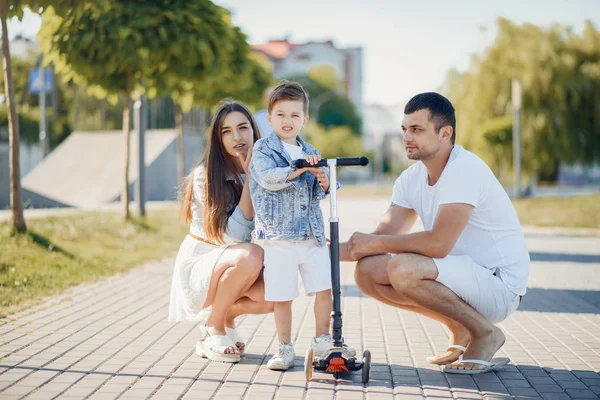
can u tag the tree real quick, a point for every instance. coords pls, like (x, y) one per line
(137, 47)
(337, 141)
(16, 200)
(326, 76)
(559, 73)
(245, 79)
(497, 133)
(15, 8)
(328, 107)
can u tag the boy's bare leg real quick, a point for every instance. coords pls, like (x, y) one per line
(323, 307)
(283, 321)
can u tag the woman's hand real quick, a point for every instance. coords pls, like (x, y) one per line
(245, 160)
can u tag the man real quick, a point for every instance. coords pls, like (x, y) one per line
(469, 268)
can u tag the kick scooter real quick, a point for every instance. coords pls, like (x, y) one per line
(336, 359)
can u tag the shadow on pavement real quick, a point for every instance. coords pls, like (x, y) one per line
(560, 257)
(538, 299)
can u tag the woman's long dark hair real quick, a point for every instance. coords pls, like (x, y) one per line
(220, 195)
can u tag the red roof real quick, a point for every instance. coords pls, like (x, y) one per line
(275, 48)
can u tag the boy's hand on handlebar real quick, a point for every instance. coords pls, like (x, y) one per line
(312, 159)
(321, 176)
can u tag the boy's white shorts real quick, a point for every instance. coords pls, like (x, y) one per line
(285, 258)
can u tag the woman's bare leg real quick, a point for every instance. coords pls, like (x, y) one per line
(233, 275)
(252, 302)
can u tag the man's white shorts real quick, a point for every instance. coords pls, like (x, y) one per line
(285, 258)
(477, 286)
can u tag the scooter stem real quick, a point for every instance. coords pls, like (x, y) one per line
(336, 314)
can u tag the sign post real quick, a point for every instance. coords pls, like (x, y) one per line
(40, 82)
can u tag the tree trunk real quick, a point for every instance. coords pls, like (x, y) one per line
(127, 134)
(75, 110)
(103, 114)
(179, 144)
(16, 201)
(550, 172)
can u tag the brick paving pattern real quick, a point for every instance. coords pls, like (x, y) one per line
(111, 340)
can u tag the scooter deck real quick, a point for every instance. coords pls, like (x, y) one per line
(342, 350)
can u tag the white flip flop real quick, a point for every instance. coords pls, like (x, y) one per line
(492, 365)
(236, 338)
(431, 360)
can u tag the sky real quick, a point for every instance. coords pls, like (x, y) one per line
(408, 46)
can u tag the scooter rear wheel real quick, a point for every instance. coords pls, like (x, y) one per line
(366, 369)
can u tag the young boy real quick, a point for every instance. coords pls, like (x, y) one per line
(288, 220)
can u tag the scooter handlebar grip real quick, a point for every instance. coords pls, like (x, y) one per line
(349, 161)
(302, 163)
(361, 161)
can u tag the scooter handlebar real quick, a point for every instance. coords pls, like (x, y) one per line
(346, 161)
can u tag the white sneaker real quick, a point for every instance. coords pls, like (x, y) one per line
(283, 359)
(324, 343)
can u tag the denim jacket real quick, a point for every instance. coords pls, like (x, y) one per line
(284, 210)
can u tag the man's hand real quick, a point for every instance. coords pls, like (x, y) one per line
(361, 245)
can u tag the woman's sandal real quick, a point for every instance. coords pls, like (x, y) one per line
(214, 347)
(432, 360)
(236, 338)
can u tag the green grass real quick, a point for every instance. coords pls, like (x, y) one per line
(563, 212)
(60, 252)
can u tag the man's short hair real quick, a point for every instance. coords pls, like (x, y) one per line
(441, 111)
(287, 90)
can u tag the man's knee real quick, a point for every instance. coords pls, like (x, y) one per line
(403, 271)
(362, 276)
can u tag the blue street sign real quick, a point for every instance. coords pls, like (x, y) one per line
(35, 81)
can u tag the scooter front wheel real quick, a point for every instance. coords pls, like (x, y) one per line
(308, 363)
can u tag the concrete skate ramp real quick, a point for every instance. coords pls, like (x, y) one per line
(86, 170)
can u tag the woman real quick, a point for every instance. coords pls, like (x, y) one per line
(218, 273)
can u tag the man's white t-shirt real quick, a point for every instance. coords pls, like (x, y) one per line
(492, 237)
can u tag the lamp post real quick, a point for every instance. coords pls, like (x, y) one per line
(139, 124)
(516, 103)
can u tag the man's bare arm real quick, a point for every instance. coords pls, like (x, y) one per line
(450, 221)
(396, 221)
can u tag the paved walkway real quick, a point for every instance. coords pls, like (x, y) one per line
(111, 340)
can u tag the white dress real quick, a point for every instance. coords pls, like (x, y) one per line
(196, 259)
